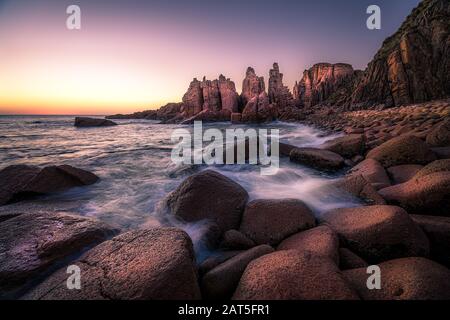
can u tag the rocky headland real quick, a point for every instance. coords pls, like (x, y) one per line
(394, 156)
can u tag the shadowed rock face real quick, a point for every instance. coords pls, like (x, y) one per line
(412, 65)
(278, 93)
(252, 86)
(85, 122)
(321, 81)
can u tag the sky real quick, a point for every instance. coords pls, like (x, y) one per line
(132, 55)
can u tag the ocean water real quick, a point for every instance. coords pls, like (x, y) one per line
(136, 171)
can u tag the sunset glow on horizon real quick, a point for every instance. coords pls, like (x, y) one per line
(135, 55)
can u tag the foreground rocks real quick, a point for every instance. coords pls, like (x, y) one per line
(21, 181)
(271, 221)
(155, 264)
(405, 279)
(293, 275)
(32, 243)
(209, 195)
(93, 122)
(317, 158)
(373, 172)
(378, 233)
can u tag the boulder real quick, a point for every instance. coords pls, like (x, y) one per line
(258, 109)
(350, 260)
(440, 135)
(235, 240)
(378, 233)
(154, 264)
(215, 259)
(347, 146)
(404, 172)
(14, 179)
(293, 275)
(317, 158)
(437, 230)
(270, 221)
(93, 122)
(405, 149)
(220, 282)
(442, 152)
(359, 187)
(320, 240)
(430, 193)
(285, 149)
(32, 243)
(372, 171)
(404, 279)
(209, 195)
(442, 165)
(236, 118)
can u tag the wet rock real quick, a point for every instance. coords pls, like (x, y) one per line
(405, 279)
(154, 264)
(93, 122)
(349, 260)
(346, 146)
(14, 179)
(216, 259)
(403, 173)
(220, 282)
(32, 243)
(285, 149)
(270, 221)
(209, 195)
(293, 275)
(435, 166)
(430, 193)
(236, 118)
(440, 135)
(359, 187)
(235, 240)
(437, 230)
(320, 240)
(378, 233)
(442, 153)
(402, 150)
(317, 158)
(372, 171)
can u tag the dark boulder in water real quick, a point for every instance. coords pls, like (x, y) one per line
(153, 264)
(14, 179)
(93, 122)
(209, 195)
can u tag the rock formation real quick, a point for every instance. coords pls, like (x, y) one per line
(278, 93)
(252, 86)
(412, 65)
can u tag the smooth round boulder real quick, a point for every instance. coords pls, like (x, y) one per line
(347, 146)
(14, 179)
(378, 233)
(428, 194)
(404, 172)
(405, 149)
(437, 230)
(209, 195)
(321, 240)
(268, 221)
(86, 122)
(440, 134)
(442, 165)
(317, 158)
(220, 282)
(372, 171)
(236, 240)
(293, 275)
(153, 264)
(358, 186)
(350, 260)
(413, 278)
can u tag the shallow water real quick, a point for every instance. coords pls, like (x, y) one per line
(133, 162)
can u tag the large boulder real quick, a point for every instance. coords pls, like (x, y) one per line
(405, 149)
(154, 264)
(437, 230)
(321, 240)
(209, 195)
(428, 194)
(220, 282)
(317, 158)
(440, 135)
(346, 146)
(358, 186)
(372, 171)
(270, 221)
(236, 240)
(14, 179)
(404, 172)
(404, 279)
(378, 233)
(349, 260)
(442, 165)
(93, 122)
(20, 181)
(32, 243)
(293, 275)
